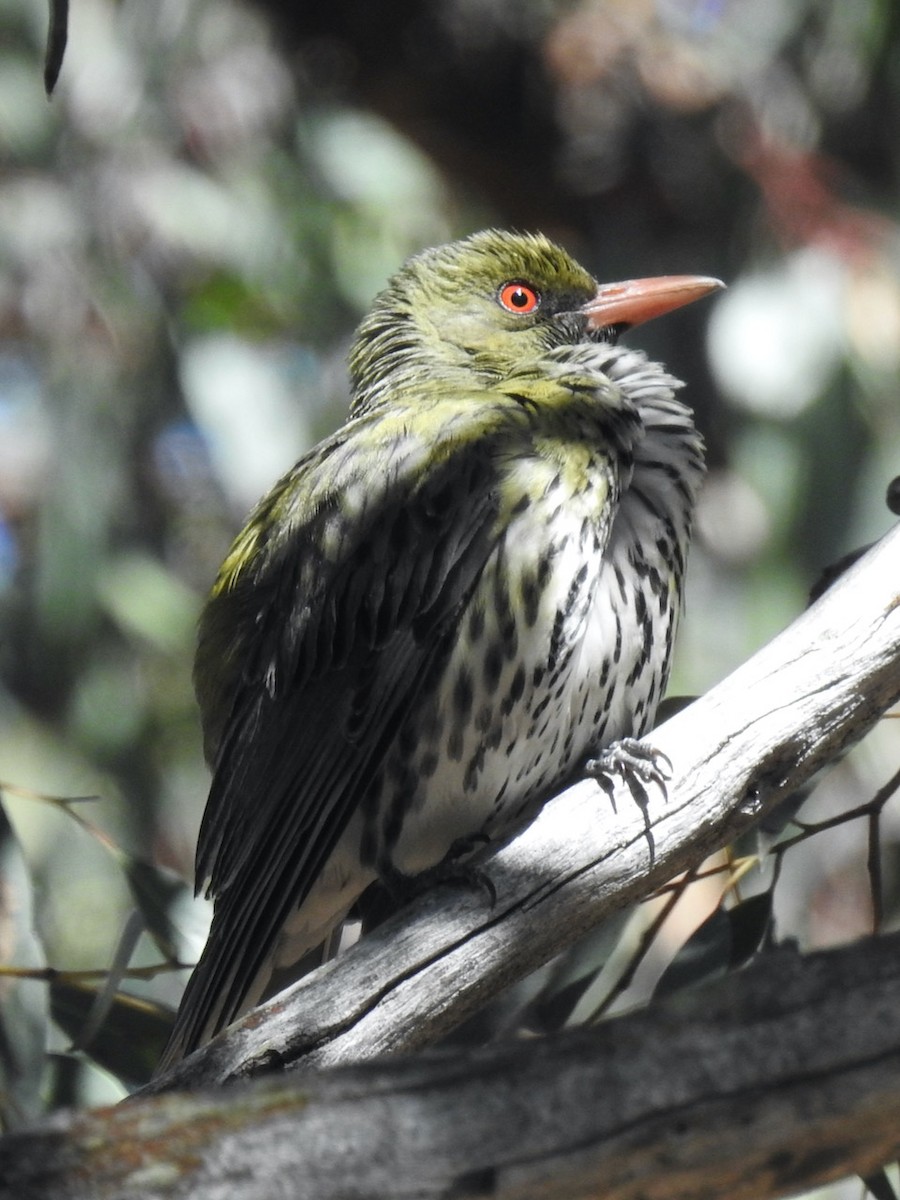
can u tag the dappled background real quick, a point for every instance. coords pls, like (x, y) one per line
(189, 232)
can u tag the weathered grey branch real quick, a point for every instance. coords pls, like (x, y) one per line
(745, 745)
(770, 1081)
(774, 1080)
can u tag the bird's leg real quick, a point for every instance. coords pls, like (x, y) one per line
(403, 888)
(636, 764)
(630, 759)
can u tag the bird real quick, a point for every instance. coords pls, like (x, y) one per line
(445, 608)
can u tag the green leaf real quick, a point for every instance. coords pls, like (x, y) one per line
(129, 1041)
(879, 1185)
(749, 922)
(722, 943)
(23, 1002)
(573, 975)
(156, 891)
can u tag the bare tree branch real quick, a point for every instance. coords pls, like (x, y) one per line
(736, 752)
(776, 1079)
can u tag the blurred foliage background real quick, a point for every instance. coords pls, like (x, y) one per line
(189, 232)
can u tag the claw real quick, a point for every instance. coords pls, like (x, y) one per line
(464, 845)
(635, 763)
(473, 878)
(631, 760)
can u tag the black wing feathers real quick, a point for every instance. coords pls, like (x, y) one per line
(330, 659)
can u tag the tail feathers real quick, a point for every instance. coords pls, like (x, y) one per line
(212, 999)
(234, 974)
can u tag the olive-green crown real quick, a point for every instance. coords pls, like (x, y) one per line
(440, 315)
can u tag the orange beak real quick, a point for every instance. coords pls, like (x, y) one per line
(639, 300)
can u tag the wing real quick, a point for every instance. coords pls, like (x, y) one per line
(343, 591)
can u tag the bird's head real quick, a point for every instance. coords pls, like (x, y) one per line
(473, 311)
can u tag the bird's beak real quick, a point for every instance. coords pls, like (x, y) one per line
(639, 300)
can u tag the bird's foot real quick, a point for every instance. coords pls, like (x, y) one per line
(633, 761)
(636, 764)
(450, 870)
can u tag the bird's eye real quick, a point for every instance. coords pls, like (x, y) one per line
(519, 298)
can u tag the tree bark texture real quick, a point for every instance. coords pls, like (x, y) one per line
(735, 753)
(773, 1080)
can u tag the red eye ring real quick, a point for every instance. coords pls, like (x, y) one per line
(519, 298)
